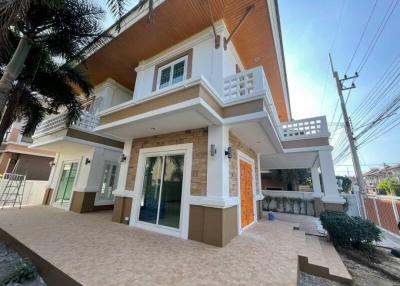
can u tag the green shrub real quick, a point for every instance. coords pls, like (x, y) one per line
(351, 232)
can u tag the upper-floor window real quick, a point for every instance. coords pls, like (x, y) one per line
(172, 73)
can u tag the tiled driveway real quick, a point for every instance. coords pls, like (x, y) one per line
(95, 251)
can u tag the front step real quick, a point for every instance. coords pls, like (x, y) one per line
(318, 257)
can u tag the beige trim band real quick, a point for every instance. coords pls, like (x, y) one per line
(94, 138)
(180, 96)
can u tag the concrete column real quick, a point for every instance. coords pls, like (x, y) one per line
(331, 193)
(218, 165)
(317, 192)
(51, 183)
(124, 167)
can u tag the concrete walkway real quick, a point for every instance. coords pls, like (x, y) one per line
(95, 251)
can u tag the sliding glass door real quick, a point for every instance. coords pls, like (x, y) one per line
(162, 191)
(67, 180)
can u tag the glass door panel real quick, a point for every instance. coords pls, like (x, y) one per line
(171, 193)
(108, 183)
(151, 190)
(162, 190)
(66, 183)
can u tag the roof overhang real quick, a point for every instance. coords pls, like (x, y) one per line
(257, 41)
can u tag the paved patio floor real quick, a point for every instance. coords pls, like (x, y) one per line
(95, 251)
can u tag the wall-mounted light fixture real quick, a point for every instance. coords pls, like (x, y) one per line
(51, 163)
(228, 152)
(213, 150)
(122, 158)
(87, 161)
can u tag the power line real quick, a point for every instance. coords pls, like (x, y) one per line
(378, 34)
(362, 36)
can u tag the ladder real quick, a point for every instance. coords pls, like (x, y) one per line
(12, 188)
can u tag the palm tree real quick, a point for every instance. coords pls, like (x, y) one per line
(49, 32)
(54, 29)
(44, 87)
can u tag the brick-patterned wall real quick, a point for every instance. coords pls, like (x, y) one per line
(199, 138)
(370, 209)
(236, 144)
(386, 215)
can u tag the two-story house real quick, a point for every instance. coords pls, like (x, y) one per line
(17, 157)
(192, 107)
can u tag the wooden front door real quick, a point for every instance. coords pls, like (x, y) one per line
(246, 194)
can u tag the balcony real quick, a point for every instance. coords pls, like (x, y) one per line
(86, 122)
(304, 129)
(253, 83)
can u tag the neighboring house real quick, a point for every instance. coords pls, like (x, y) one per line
(184, 120)
(16, 157)
(374, 176)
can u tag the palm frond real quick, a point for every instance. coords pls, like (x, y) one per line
(117, 8)
(10, 12)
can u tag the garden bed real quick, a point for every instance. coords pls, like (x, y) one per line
(370, 273)
(15, 270)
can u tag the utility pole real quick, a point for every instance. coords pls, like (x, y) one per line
(348, 128)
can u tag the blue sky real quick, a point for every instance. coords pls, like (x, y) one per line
(313, 28)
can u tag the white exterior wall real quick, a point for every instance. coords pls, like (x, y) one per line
(89, 176)
(34, 192)
(78, 155)
(100, 156)
(109, 94)
(208, 62)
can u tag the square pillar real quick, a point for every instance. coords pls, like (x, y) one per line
(123, 198)
(124, 167)
(218, 165)
(331, 192)
(317, 192)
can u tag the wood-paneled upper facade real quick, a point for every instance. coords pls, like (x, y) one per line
(257, 41)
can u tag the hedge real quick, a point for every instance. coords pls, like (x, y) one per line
(352, 232)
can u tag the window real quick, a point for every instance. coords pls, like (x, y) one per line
(109, 182)
(172, 73)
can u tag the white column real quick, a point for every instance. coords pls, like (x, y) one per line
(331, 192)
(124, 167)
(218, 165)
(316, 182)
(52, 181)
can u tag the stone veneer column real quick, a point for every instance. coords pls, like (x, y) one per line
(331, 192)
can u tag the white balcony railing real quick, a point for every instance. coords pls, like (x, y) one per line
(252, 83)
(304, 129)
(87, 121)
(246, 84)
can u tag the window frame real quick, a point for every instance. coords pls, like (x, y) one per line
(164, 64)
(171, 65)
(98, 200)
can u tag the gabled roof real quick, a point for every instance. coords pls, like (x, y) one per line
(257, 40)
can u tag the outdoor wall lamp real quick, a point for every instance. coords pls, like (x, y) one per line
(122, 158)
(213, 150)
(87, 161)
(228, 152)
